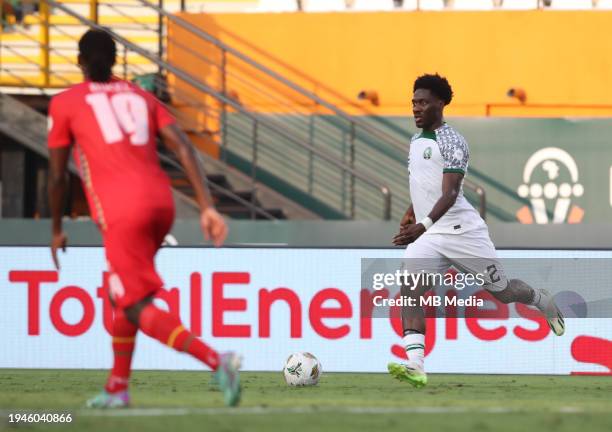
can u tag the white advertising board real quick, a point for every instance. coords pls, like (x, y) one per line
(267, 303)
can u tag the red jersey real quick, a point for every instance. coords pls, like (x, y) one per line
(114, 128)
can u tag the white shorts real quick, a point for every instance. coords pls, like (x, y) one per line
(469, 252)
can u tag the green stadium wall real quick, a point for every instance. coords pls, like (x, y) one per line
(570, 168)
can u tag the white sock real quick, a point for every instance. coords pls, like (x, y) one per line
(414, 344)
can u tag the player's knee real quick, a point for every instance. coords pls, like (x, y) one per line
(133, 312)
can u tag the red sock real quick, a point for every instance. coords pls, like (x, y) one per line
(168, 329)
(124, 337)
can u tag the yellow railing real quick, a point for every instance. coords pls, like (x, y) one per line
(45, 42)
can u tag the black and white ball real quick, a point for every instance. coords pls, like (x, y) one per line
(302, 369)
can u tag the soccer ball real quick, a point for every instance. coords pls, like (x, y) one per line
(302, 369)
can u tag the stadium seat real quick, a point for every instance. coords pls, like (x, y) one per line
(431, 5)
(373, 5)
(324, 5)
(277, 6)
(571, 4)
(520, 4)
(473, 5)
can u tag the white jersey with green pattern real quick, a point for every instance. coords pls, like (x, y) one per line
(431, 155)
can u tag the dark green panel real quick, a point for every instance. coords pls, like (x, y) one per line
(500, 149)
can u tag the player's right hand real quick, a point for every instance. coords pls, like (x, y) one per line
(408, 234)
(408, 219)
(58, 241)
(213, 226)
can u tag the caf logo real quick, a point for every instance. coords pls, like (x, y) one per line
(427, 153)
(559, 193)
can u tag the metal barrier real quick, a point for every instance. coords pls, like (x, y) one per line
(260, 128)
(309, 144)
(370, 147)
(37, 141)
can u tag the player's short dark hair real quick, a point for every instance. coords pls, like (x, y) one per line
(436, 84)
(98, 52)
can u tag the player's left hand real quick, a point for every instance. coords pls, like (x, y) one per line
(213, 226)
(58, 241)
(408, 234)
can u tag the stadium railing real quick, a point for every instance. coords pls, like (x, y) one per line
(43, 66)
(362, 145)
(260, 127)
(290, 107)
(371, 146)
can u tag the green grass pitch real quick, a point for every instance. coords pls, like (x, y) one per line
(176, 401)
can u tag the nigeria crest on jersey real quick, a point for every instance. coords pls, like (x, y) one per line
(427, 153)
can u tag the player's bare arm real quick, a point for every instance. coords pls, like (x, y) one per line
(58, 184)
(408, 218)
(451, 185)
(212, 223)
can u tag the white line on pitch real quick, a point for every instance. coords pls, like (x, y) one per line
(157, 412)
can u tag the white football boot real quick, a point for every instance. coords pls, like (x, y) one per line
(553, 315)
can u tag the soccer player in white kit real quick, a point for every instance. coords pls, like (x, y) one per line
(441, 228)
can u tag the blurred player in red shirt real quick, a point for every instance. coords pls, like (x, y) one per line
(112, 125)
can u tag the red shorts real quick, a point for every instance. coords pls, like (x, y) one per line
(131, 245)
